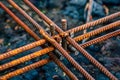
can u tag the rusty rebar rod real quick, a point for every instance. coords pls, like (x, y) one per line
(3, 56)
(43, 41)
(96, 31)
(53, 42)
(68, 72)
(63, 67)
(64, 27)
(25, 69)
(26, 58)
(22, 49)
(58, 62)
(77, 46)
(78, 28)
(117, 32)
(20, 22)
(102, 38)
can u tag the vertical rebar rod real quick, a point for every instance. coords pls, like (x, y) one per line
(64, 27)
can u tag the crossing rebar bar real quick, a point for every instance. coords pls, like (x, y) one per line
(77, 46)
(19, 22)
(117, 32)
(56, 45)
(78, 28)
(53, 42)
(43, 41)
(64, 67)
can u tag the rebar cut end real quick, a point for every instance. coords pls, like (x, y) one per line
(64, 20)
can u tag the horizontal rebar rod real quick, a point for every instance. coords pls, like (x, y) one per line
(43, 41)
(25, 58)
(102, 38)
(97, 31)
(25, 69)
(77, 46)
(9, 54)
(22, 49)
(53, 42)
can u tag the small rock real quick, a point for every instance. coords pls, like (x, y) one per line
(79, 3)
(56, 77)
(114, 2)
(118, 75)
(17, 78)
(31, 75)
(101, 77)
(94, 48)
(17, 38)
(98, 9)
(111, 46)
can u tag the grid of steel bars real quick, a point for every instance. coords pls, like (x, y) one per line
(55, 45)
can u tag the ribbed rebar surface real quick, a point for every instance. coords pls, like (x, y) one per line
(46, 49)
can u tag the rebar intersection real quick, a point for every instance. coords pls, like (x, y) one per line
(51, 39)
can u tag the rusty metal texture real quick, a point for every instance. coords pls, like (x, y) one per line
(53, 42)
(25, 58)
(100, 39)
(77, 46)
(43, 41)
(19, 21)
(25, 69)
(62, 66)
(37, 25)
(22, 49)
(51, 39)
(99, 30)
(7, 55)
(64, 28)
(76, 29)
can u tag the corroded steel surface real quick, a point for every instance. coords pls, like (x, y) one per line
(53, 42)
(51, 39)
(78, 47)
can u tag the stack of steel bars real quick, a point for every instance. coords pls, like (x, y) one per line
(53, 44)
